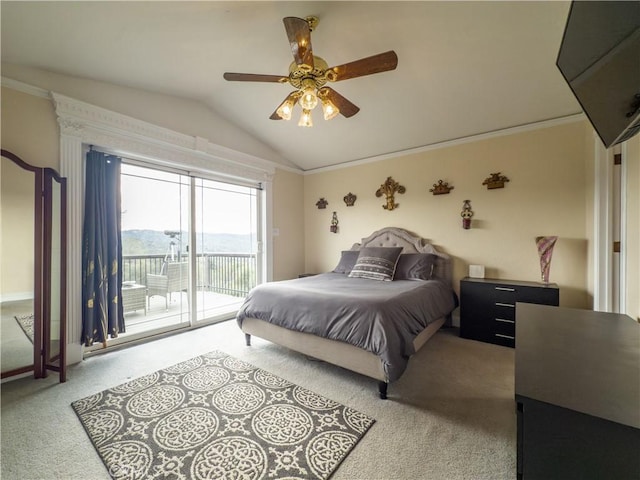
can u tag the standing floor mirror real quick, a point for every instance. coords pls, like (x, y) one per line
(33, 282)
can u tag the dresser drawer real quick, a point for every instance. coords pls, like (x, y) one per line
(503, 339)
(504, 294)
(504, 310)
(488, 307)
(505, 326)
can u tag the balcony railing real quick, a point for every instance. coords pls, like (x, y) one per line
(226, 273)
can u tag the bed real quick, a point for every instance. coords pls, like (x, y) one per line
(348, 317)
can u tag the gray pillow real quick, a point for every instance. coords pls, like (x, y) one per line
(347, 261)
(376, 263)
(415, 266)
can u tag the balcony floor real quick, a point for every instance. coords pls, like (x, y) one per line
(176, 312)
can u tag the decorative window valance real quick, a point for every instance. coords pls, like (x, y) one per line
(125, 135)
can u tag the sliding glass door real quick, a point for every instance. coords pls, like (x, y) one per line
(190, 248)
(226, 232)
(155, 214)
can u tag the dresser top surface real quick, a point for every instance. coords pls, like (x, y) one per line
(517, 283)
(579, 359)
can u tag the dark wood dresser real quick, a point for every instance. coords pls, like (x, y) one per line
(577, 391)
(488, 307)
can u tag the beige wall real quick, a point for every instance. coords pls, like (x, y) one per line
(29, 130)
(546, 195)
(288, 213)
(17, 226)
(632, 241)
(589, 205)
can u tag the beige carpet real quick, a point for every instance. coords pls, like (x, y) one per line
(451, 416)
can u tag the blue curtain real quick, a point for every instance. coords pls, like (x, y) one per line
(102, 314)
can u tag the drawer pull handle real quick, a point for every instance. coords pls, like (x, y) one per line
(505, 336)
(505, 305)
(505, 289)
(505, 320)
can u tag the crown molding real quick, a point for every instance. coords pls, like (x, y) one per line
(451, 143)
(24, 87)
(128, 136)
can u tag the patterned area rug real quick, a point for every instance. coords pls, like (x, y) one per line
(26, 323)
(216, 416)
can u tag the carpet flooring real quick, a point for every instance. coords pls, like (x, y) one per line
(216, 416)
(26, 323)
(451, 416)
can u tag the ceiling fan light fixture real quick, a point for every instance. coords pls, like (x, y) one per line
(309, 98)
(285, 109)
(329, 109)
(305, 119)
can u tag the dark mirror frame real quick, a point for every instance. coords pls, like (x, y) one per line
(45, 357)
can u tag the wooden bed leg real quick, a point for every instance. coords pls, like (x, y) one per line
(382, 388)
(247, 339)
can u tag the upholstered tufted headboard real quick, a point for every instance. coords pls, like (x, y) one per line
(410, 243)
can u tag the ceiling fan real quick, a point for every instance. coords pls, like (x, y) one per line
(309, 75)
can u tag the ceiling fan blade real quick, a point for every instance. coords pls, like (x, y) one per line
(299, 35)
(381, 62)
(346, 108)
(254, 77)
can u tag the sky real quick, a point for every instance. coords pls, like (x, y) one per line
(161, 203)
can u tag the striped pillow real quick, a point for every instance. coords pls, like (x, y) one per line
(376, 263)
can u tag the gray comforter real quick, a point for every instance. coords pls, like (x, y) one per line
(381, 317)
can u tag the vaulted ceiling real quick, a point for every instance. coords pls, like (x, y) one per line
(464, 68)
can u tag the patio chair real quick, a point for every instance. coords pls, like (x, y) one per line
(175, 278)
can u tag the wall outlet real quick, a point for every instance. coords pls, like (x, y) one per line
(275, 232)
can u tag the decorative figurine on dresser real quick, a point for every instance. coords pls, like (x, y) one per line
(488, 307)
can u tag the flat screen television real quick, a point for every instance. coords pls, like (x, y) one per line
(599, 58)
